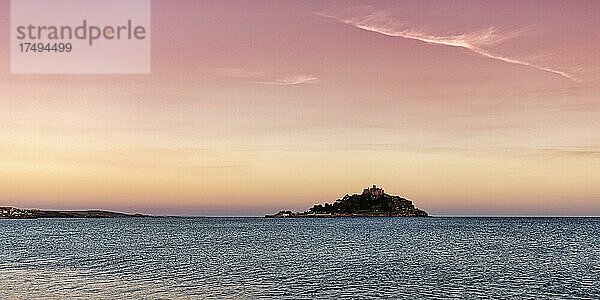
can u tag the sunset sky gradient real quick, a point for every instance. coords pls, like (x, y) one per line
(466, 107)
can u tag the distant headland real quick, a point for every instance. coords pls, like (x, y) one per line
(16, 213)
(373, 202)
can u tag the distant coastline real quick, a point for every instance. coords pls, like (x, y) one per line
(17, 213)
(372, 202)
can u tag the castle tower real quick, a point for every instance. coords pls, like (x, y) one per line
(374, 191)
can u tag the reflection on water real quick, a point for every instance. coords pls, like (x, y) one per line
(215, 258)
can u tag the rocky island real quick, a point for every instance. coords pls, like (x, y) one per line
(372, 202)
(16, 213)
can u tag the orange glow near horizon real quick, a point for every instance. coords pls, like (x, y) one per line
(252, 107)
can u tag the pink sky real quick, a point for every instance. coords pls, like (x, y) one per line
(466, 107)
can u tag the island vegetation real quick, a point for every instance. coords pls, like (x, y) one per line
(372, 202)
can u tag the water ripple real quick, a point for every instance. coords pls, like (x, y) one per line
(255, 258)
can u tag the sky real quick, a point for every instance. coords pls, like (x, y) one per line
(465, 107)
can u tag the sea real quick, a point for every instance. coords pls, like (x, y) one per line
(339, 258)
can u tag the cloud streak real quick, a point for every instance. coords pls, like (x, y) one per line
(264, 78)
(290, 80)
(575, 152)
(384, 23)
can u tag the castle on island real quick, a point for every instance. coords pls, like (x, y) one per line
(373, 202)
(373, 191)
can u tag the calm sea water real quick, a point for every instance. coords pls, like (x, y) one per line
(249, 258)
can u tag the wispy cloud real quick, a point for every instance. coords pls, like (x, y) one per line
(290, 80)
(575, 152)
(478, 42)
(267, 78)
